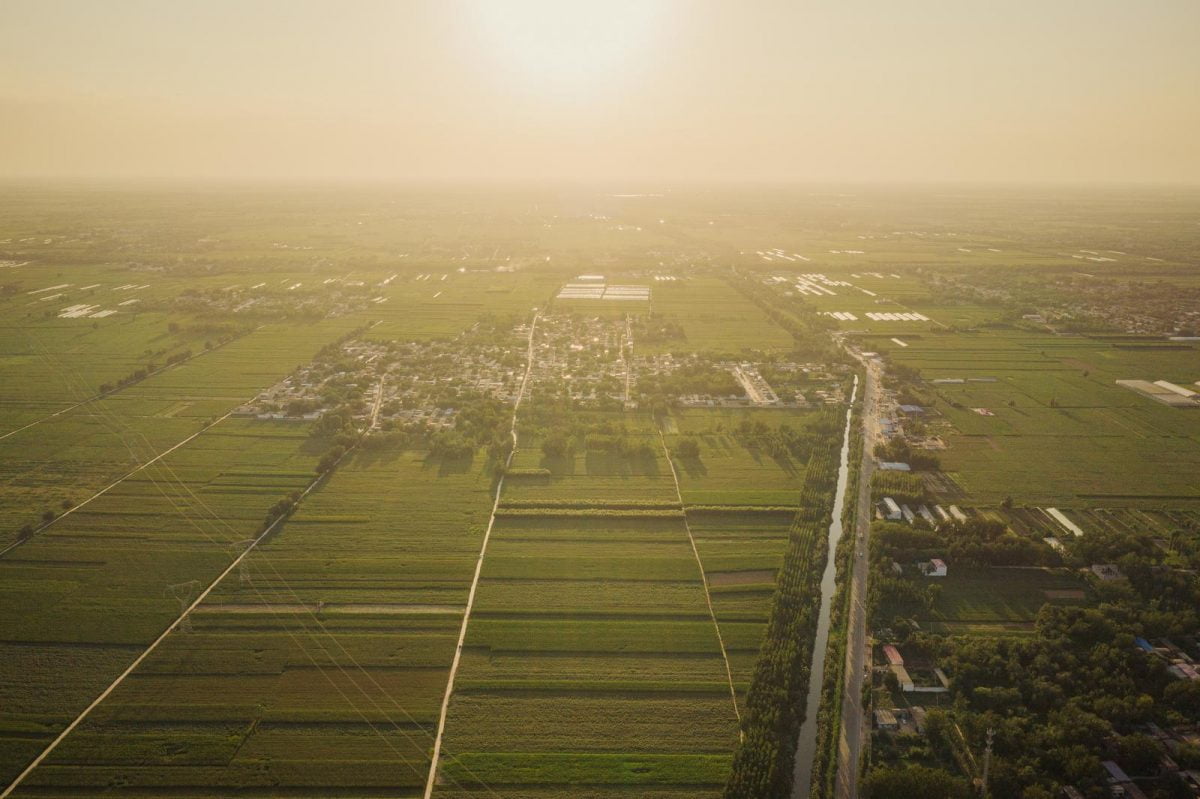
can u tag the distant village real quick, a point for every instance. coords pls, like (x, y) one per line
(588, 361)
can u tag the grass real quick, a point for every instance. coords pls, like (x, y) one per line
(1000, 595)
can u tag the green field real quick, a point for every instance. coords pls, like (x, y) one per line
(1060, 423)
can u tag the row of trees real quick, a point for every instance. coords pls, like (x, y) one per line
(763, 763)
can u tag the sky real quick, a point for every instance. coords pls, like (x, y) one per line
(614, 90)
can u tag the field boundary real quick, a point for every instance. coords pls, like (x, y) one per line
(704, 582)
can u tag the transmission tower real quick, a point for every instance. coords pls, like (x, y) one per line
(238, 548)
(987, 763)
(183, 593)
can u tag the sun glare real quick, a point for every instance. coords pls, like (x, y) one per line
(570, 44)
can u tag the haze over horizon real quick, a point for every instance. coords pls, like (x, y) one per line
(657, 90)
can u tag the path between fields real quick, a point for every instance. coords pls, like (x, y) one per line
(704, 582)
(115, 483)
(37, 761)
(850, 736)
(487, 534)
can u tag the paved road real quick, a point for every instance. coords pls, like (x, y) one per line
(853, 724)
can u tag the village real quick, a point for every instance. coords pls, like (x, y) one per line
(587, 361)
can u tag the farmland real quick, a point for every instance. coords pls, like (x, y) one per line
(413, 422)
(331, 648)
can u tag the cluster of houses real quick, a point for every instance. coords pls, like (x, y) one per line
(1180, 663)
(932, 681)
(1122, 785)
(591, 359)
(588, 358)
(407, 384)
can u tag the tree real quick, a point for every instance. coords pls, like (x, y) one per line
(1139, 755)
(913, 782)
(330, 459)
(556, 446)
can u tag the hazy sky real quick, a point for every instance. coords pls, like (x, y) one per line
(859, 90)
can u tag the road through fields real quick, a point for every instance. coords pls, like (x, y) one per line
(431, 780)
(851, 734)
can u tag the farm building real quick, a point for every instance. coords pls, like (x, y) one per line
(1184, 671)
(902, 677)
(1061, 518)
(1107, 571)
(1163, 391)
(890, 510)
(1118, 779)
(893, 466)
(911, 410)
(886, 720)
(893, 655)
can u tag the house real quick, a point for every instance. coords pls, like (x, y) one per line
(934, 568)
(1107, 571)
(886, 720)
(893, 655)
(911, 410)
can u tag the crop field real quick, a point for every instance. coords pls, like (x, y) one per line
(976, 601)
(79, 452)
(324, 666)
(425, 306)
(732, 469)
(591, 658)
(714, 316)
(86, 594)
(1056, 422)
(591, 475)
